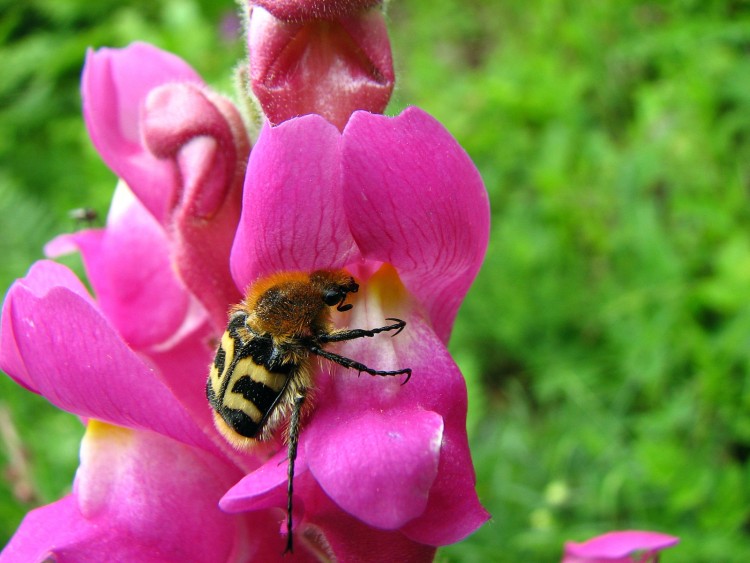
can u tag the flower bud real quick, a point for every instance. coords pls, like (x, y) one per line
(302, 10)
(330, 66)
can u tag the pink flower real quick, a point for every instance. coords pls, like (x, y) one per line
(329, 58)
(387, 191)
(381, 466)
(619, 547)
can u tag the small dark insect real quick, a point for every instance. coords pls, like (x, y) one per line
(263, 368)
(84, 216)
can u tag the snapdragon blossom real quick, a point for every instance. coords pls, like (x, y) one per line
(381, 466)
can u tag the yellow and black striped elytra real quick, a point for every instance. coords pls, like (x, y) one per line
(262, 373)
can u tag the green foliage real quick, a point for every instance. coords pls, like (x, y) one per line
(611, 322)
(606, 343)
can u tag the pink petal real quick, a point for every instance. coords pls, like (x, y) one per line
(41, 275)
(114, 87)
(379, 467)
(173, 116)
(352, 540)
(11, 361)
(414, 199)
(74, 357)
(453, 510)
(618, 545)
(266, 486)
(56, 530)
(332, 436)
(182, 365)
(182, 150)
(292, 216)
(129, 267)
(320, 525)
(411, 198)
(139, 497)
(297, 10)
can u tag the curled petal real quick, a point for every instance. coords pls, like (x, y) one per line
(203, 136)
(330, 67)
(414, 199)
(173, 116)
(114, 87)
(293, 216)
(614, 547)
(70, 354)
(176, 114)
(182, 150)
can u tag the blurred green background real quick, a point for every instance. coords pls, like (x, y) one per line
(606, 343)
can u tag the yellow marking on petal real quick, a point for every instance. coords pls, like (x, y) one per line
(97, 430)
(386, 286)
(106, 450)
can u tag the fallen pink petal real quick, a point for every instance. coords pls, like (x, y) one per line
(629, 546)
